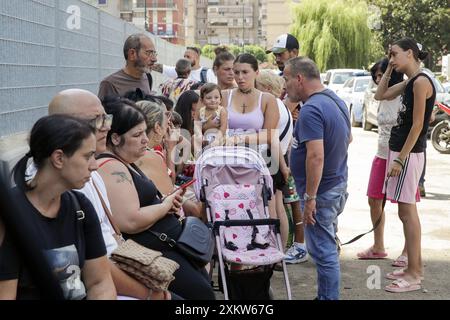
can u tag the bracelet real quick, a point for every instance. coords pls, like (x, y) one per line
(400, 162)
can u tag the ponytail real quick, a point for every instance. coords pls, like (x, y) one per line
(19, 172)
(422, 55)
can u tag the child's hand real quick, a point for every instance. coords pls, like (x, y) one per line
(210, 123)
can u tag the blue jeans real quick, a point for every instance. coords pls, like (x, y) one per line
(321, 243)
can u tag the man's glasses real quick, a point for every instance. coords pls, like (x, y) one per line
(151, 53)
(101, 121)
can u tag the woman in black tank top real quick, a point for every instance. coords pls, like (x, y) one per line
(136, 203)
(406, 155)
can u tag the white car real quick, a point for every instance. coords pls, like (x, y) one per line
(352, 93)
(335, 78)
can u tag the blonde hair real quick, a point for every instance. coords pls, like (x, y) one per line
(267, 78)
(153, 111)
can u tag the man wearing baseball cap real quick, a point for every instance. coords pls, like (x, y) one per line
(285, 47)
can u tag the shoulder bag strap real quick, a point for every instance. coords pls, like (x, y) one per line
(135, 167)
(113, 156)
(337, 104)
(203, 75)
(107, 211)
(283, 134)
(79, 215)
(150, 80)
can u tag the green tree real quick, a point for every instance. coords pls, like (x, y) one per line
(208, 51)
(427, 21)
(257, 51)
(334, 33)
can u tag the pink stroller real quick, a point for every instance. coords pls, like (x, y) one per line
(235, 185)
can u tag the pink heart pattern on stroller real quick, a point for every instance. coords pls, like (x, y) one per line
(243, 244)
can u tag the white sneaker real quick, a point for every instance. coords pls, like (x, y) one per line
(296, 254)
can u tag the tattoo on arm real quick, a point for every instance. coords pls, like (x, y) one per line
(121, 177)
(158, 67)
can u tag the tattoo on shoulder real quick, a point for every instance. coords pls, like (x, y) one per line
(121, 177)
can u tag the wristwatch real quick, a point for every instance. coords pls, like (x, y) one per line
(307, 197)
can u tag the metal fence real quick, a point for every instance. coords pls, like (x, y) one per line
(50, 45)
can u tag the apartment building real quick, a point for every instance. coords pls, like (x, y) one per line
(185, 22)
(236, 21)
(163, 18)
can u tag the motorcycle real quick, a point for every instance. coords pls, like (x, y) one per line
(440, 135)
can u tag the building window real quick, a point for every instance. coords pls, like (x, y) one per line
(102, 2)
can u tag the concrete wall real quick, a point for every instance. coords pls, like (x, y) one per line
(51, 45)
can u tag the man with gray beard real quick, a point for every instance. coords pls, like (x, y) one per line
(140, 55)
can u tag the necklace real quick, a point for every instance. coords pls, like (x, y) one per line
(245, 91)
(243, 107)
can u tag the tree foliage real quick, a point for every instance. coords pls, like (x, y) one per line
(427, 21)
(257, 51)
(334, 33)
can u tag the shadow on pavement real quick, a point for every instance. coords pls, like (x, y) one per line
(437, 196)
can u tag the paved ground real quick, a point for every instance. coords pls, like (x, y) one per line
(365, 279)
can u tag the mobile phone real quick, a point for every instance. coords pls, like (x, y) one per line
(184, 186)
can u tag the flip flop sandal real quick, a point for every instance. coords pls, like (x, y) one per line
(397, 274)
(369, 254)
(401, 285)
(401, 261)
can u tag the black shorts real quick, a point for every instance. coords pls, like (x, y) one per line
(278, 181)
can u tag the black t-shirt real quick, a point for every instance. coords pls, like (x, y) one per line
(66, 241)
(399, 133)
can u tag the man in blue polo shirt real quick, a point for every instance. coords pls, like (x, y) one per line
(319, 166)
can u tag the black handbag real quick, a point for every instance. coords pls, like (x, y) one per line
(195, 242)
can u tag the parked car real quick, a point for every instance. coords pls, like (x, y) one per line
(335, 78)
(370, 105)
(353, 94)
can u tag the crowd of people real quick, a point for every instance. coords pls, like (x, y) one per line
(122, 152)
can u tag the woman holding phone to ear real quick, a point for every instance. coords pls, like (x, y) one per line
(137, 204)
(406, 151)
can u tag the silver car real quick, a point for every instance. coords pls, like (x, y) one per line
(353, 94)
(370, 107)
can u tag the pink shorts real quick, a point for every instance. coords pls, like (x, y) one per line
(404, 188)
(376, 179)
